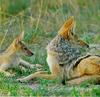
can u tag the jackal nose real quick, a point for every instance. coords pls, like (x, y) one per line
(31, 54)
(87, 45)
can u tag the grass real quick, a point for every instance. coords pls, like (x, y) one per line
(41, 19)
(9, 87)
(41, 87)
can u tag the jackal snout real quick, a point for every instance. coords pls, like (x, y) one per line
(25, 49)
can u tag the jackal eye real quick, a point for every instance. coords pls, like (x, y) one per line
(71, 31)
(25, 48)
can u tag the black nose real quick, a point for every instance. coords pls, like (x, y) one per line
(87, 46)
(31, 54)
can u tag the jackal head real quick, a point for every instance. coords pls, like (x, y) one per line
(20, 46)
(67, 32)
(67, 39)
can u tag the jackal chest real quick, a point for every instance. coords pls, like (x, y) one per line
(14, 61)
(10, 62)
(52, 61)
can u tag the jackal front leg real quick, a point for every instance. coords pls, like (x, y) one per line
(29, 65)
(55, 71)
(39, 74)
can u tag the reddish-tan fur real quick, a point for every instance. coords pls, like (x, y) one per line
(10, 58)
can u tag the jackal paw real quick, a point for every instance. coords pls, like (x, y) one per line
(20, 80)
(10, 75)
(38, 66)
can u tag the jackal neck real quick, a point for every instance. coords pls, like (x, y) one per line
(66, 51)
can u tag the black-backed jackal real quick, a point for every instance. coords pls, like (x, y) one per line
(66, 59)
(11, 57)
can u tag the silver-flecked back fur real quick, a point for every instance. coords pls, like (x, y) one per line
(66, 50)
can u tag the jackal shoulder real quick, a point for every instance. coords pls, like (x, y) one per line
(64, 50)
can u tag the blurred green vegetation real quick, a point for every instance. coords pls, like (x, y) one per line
(41, 20)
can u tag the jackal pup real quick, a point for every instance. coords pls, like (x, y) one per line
(66, 58)
(11, 56)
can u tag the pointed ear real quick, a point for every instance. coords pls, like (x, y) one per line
(20, 37)
(65, 30)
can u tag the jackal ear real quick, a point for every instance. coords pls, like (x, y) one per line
(65, 30)
(20, 37)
